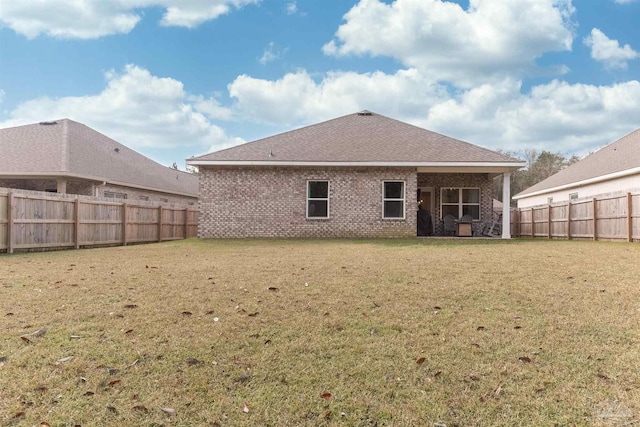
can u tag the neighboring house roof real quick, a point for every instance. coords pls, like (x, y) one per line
(70, 149)
(363, 138)
(620, 158)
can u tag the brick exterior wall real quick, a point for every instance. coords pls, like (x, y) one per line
(271, 202)
(460, 180)
(88, 188)
(134, 194)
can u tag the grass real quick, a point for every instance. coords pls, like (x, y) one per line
(349, 333)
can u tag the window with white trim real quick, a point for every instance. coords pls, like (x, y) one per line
(459, 202)
(318, 199)
(393, 200)
(114, 195)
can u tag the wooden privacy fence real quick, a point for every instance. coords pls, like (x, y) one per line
(33, 220)
(615, 217)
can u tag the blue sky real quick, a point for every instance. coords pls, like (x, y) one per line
(177, 78)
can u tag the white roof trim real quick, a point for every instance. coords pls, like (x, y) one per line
(584, 182)
(515, 165)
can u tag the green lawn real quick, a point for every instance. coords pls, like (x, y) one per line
(337, 332)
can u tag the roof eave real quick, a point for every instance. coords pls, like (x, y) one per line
(507, 165)
(57, 175)
(595, 180)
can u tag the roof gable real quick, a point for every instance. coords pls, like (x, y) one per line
(619, 156)
(359, 137)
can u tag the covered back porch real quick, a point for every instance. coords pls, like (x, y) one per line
(459, 202)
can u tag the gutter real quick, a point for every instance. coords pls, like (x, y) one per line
(582, 183)
(516, 165)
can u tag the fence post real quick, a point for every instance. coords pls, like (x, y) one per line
(630, 217)
(533, 223)
(549, 221)
(595, 220)
(10, 223)
(76, 224)
(186, 223)
(569, 220)
(160, 223)
(124, 224)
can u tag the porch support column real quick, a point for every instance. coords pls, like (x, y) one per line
(506, 205)
(61, 186)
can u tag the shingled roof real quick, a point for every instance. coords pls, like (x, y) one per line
(359, 138)
(68, 148)
(617, 157)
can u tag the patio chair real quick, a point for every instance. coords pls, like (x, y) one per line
(449, 223)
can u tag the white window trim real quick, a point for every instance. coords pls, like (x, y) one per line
(403, 199)
(460, 204)
(328, 199)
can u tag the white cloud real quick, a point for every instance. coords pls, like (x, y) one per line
(608, 51)
(623, 1)
(138, 110)
(492, 38)
(291, 8)
(89, 19)
(2, 95)
(557, 116)
(271, 53)
(297, 99)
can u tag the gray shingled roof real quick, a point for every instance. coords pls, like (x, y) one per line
(358, 137)
(69, 148)
(621, 155)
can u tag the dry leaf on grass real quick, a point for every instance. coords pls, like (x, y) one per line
(420, 361)
(524, 359)
(169, 411)
(326, 395)
(64, 360)
(243, 378)
(36, 334)
(245, 408)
